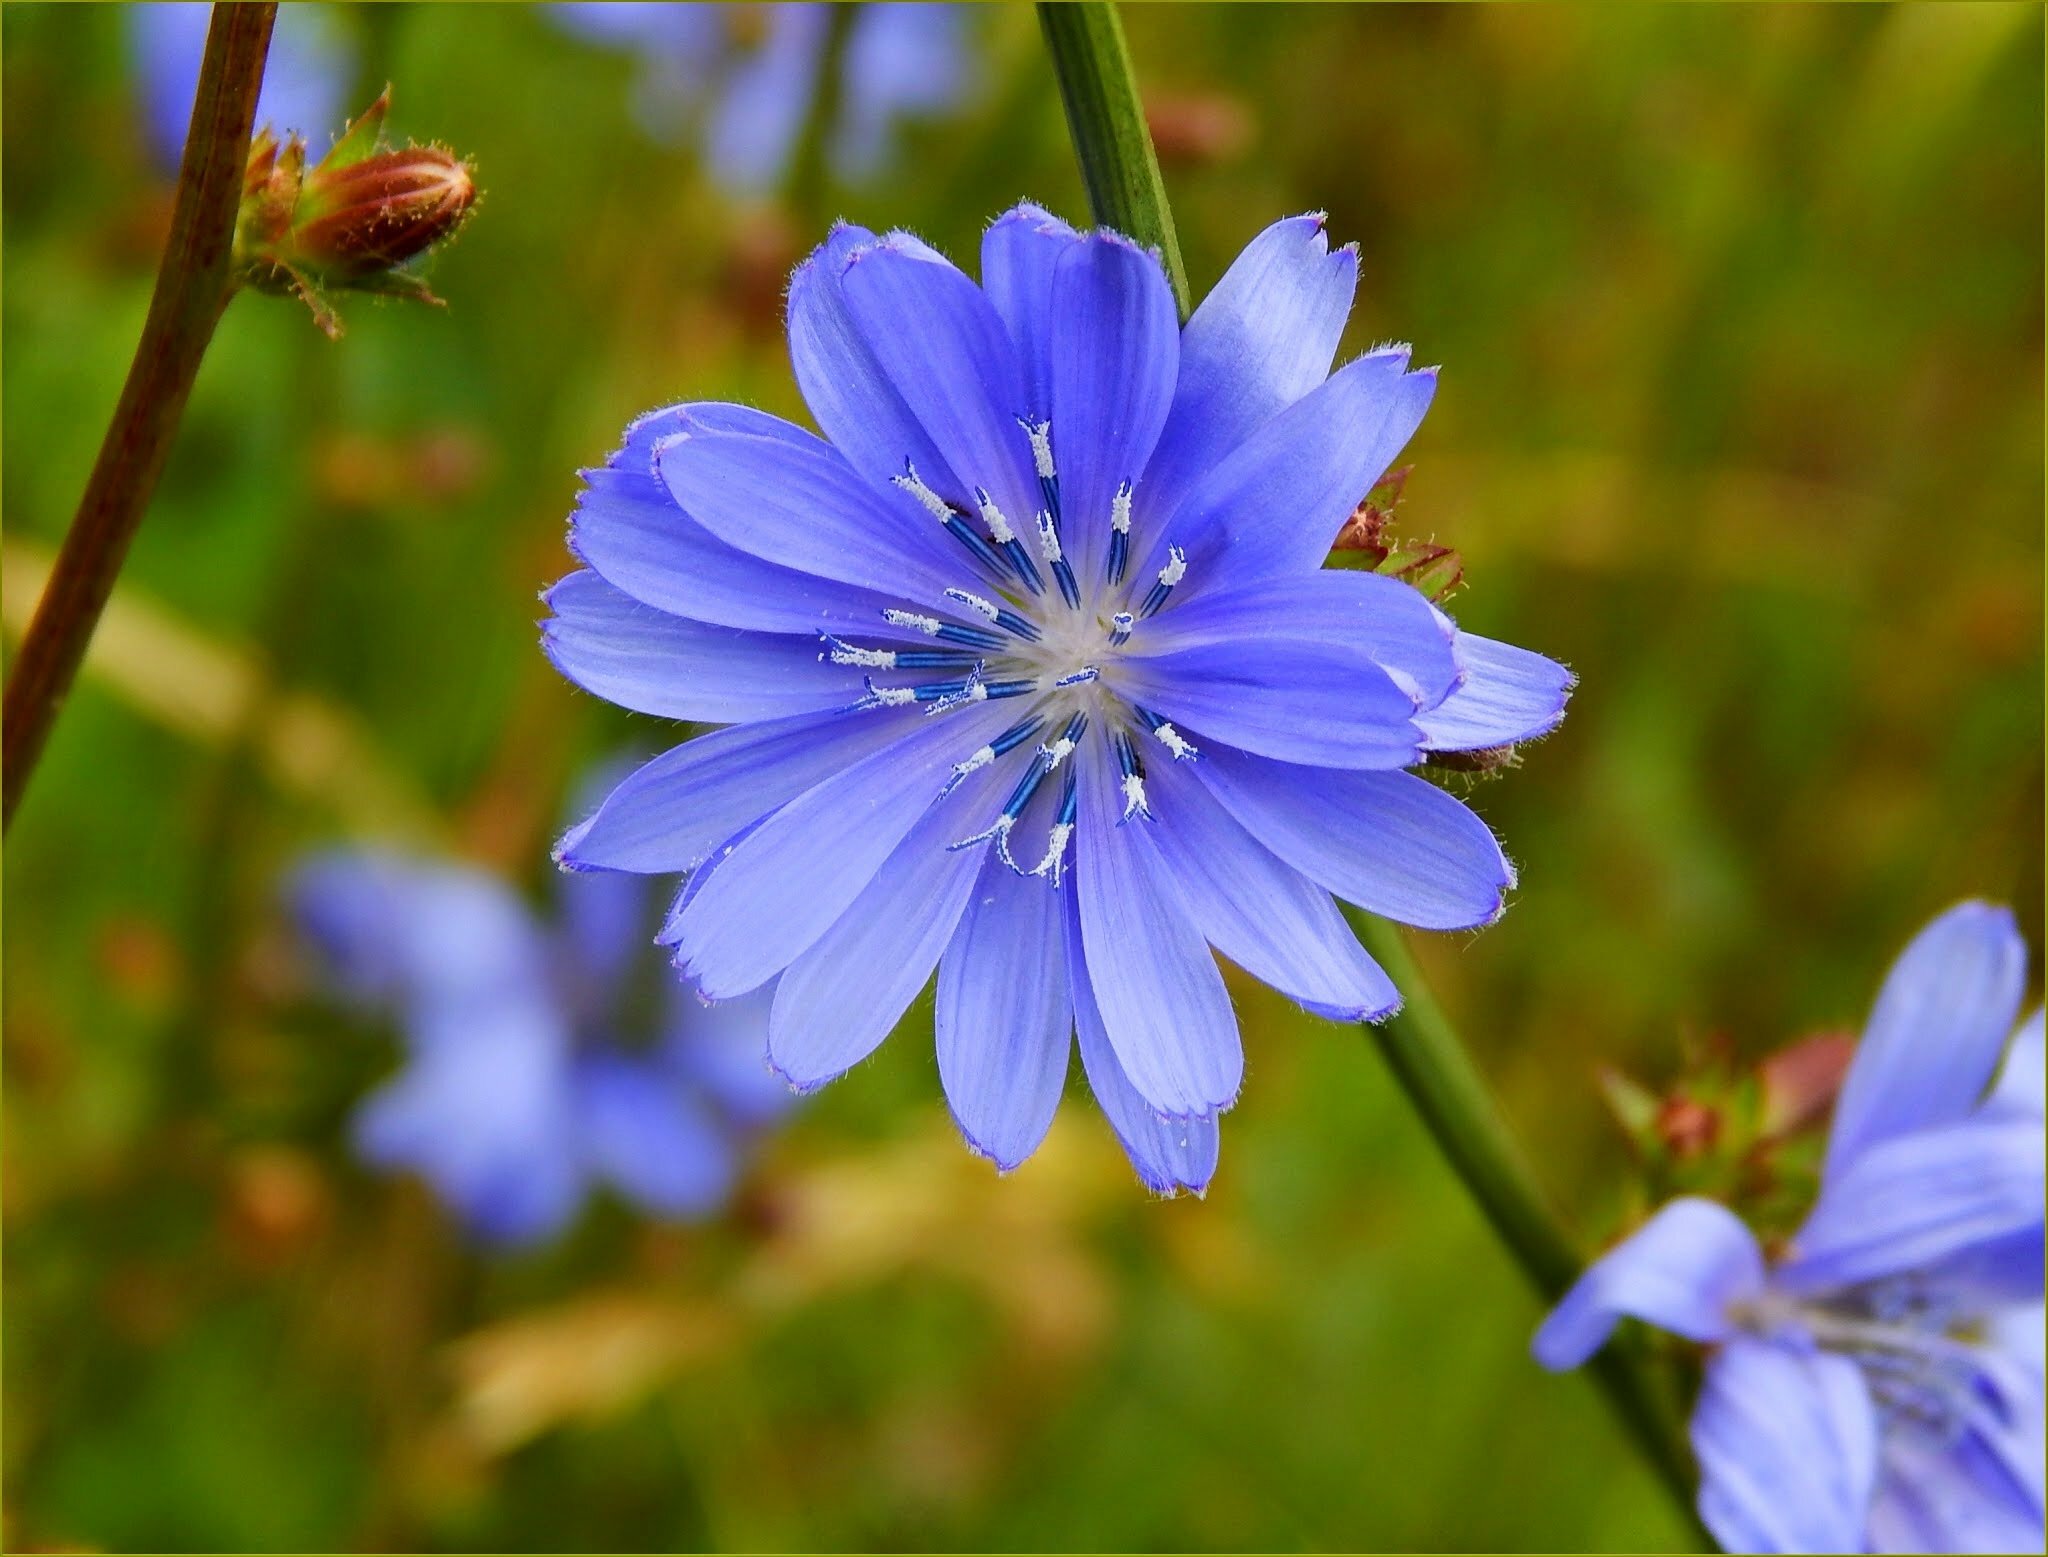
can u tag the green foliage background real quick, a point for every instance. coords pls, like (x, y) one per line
(1740, 316)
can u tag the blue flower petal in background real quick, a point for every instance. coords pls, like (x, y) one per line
(1079, 654)
(1880, 1387)
(541, 1058)
(306, 80)
(739, 80)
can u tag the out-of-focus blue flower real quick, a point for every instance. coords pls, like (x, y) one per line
(524, 1083)
(741, 77)
(1877, 1386)
(305, 80)
(1034, 672)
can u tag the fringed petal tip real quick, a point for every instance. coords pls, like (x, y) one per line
(800, 1088)
(1038, 217)
(1352, 1016)
(1004, 1164)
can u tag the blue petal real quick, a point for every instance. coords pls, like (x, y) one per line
(1275, 505)
(1169, 1154)
(1263, 915)
(481, 1114)
(1263, 337)
(1914, 1201)
(607, 920)
(1004, 1015)
(1390, 621)
(946, 352)
(1161, 997)
(1787, 1442)
(693, 887)
(668, 815)
(806, 508)
(1934, 1038)
(840, 998)
(902, 60)
(1019, 254)
(653, 663)
(629, 528)
(305, 77)
(1302, 700)
(802, 868)
(1953, 1495)
(849, 395)
(1509, 695)
(1392, 843)
(644, 1133)
(1115, 357)
(415, 935)
(768, 90)
(2019, 1088)
(721, 1047)
(1680, 1271)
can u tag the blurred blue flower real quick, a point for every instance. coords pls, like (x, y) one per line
(305, 80)
(1878, 1385)
(740, 78)
(523, 1083)
(1057, 576)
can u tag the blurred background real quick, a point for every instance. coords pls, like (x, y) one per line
(1740, 316)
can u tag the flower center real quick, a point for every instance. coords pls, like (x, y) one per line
(1008, 633)
(1923, 1360)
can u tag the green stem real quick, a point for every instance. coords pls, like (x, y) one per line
(1421, 1047)
(1436, 1071)
(1107, 123)
(192, 289)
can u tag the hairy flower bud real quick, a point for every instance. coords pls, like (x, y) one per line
(350, 221)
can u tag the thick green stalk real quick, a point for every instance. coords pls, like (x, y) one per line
(1107, 123)
(1421, 1047)
(1434, 1068)
(192, 288)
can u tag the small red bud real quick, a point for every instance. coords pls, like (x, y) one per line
(388, 208)
(1688, 1127)
(352, 220)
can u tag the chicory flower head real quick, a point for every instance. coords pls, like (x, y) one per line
(1033, 671)
(306, 78)
(745, 75)
(1877, 1385)
(524, 1084)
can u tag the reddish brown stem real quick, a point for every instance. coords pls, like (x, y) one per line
(193, 285)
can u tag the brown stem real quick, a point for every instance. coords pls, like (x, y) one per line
(193, 285)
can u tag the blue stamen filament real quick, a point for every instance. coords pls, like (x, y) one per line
(1040, 434)
(1043, 761)
(955, 523)
(1175, 570)
(1009, 621)
(1131, 771)
(1009, 652)
(1119, 535)
(1008, 741)
(1007, 542)
(1169, 737)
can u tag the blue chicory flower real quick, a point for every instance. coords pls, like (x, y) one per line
(522, 1085)
(742, 77)
(1052, 595)
(1876, 1386)
(306, 79)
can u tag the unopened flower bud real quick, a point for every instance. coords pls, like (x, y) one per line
(352, 220)
(1688, 1127)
